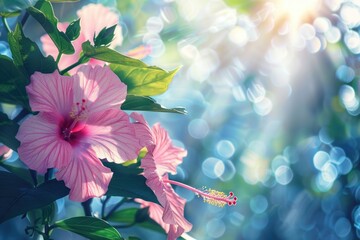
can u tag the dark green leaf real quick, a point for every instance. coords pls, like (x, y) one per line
(128, 216)
(90, 227)
(27, 55)
(142, 103)
(12, 84)
(8, 130)
(18, 171)
(11, 6)
(44, 14)
(140, 79)
(127, 182)
(105, 36)
(142, 215)
(39, 217)
(17, 196)
(73, 30)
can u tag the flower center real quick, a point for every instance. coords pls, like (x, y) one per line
(72, 128)
(211, 196)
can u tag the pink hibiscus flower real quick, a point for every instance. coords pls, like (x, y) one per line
(79, 121)
(163, 158)
(93, 18)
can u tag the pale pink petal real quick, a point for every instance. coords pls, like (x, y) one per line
(85, 175)
(167, 157)
(172, 203)
(41, 144)
(112, 136)
(51, 93)
(155, 212)
(142, 130)
(100, 87)
(174, 209)
(94, 17)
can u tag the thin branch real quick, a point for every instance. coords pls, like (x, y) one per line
(6, 25)
(87, 207)
(104, 206)
(115, 208)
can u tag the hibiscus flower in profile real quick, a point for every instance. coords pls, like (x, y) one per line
(163, 158)
(93, 18)
(79, 121)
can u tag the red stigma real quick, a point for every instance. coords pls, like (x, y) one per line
(83, 100)
(231, 194)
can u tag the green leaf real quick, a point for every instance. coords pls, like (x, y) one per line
(141, 79)
(108, 55)
(73, 30)
(62, 1)
(142, 103)
(39, 217)
(243, 6)
(144, 81)
(18, 171)
(89, 227)
(12, 6)
(9, 14)
(27, 55)
(105, 36)
(8, 130)
(43, 12)
(128, 216)
(12, 84)
(127, 182)
(17, 196)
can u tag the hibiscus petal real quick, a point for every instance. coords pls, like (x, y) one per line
(142, 130)
(112, 136)
(85, 175)
(41, 144)
(92, 25)
(174, 209)
(100, 87)
(172, 203)
(167, 157)
(155, 212)
(51, 93)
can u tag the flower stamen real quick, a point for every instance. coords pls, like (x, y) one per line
(211, 196)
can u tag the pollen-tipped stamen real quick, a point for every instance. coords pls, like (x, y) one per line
(211, 196)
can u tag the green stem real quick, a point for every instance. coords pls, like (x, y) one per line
(48, 174)
(115, 208)
(104, 206)
(87, 207)
(21, 115)
(33, 175)
(82, 59)
(24, 19)
(6, 25)
(58, 58)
